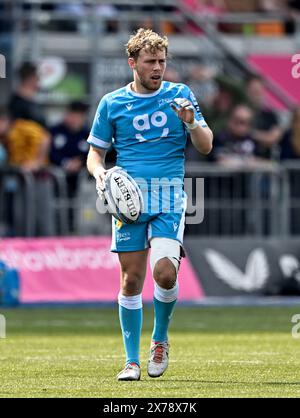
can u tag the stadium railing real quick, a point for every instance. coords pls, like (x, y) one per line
(33, 204)
(246, 201)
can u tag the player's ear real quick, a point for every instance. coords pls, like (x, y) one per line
(131, 63)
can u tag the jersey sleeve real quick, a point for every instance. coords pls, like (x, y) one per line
(198, 115)
(102, 129)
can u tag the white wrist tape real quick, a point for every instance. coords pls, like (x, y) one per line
(193, 125)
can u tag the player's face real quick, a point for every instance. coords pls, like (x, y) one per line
(149, 69)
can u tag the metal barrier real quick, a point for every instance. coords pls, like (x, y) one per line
(33, 204)
(242, 201)
(260, 201)
(16, 196)
(87, 220)
(290, 198)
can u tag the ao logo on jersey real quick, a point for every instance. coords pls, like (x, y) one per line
(144, 122)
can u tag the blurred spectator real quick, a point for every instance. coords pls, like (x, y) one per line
(22, 103)
(4, 128)
(234, 146)
(28, 146)
(230, 93)
(267, 131)
(290, 143)
(28, 139)
(69, 147)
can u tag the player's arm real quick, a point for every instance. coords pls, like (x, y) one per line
(100, 141)
(95, 163)
(201, 136)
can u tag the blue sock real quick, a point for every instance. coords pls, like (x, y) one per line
(131, 318)
(164, 303)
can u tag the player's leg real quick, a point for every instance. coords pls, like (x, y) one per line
(133, 271)
(129, 242)
(165, 285)
(167, 235)
(165, 258)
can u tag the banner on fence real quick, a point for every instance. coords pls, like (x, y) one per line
(79, 270)
(240, 267)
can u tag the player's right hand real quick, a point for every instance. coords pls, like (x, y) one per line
(99, 175)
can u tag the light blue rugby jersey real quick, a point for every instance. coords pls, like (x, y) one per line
(147, 134)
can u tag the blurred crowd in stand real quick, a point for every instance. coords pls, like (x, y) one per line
(248, 132)
(245, 127)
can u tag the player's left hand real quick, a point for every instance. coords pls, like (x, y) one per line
(184, 109)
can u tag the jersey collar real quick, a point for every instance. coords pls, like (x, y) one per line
(133, 93)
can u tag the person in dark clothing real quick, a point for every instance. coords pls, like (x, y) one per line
(28, 141)
(22, 104)
(69, 147)
(290, 143)
(28, 147)
(234, 146)
(266, 132)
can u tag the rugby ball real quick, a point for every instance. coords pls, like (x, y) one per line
(122, 195)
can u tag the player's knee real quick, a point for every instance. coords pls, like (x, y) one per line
(164, 261)
(131, 283)
(165, 273)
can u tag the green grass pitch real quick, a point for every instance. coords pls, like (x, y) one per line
(215, 352)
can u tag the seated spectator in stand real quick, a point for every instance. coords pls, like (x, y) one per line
(267, 131)
(69, 147)
(28, 139)
(234, 146)
(28, 147)
(22, 103)
(290, 143)
(229, 94)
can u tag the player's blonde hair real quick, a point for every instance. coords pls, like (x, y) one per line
(148, 40)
